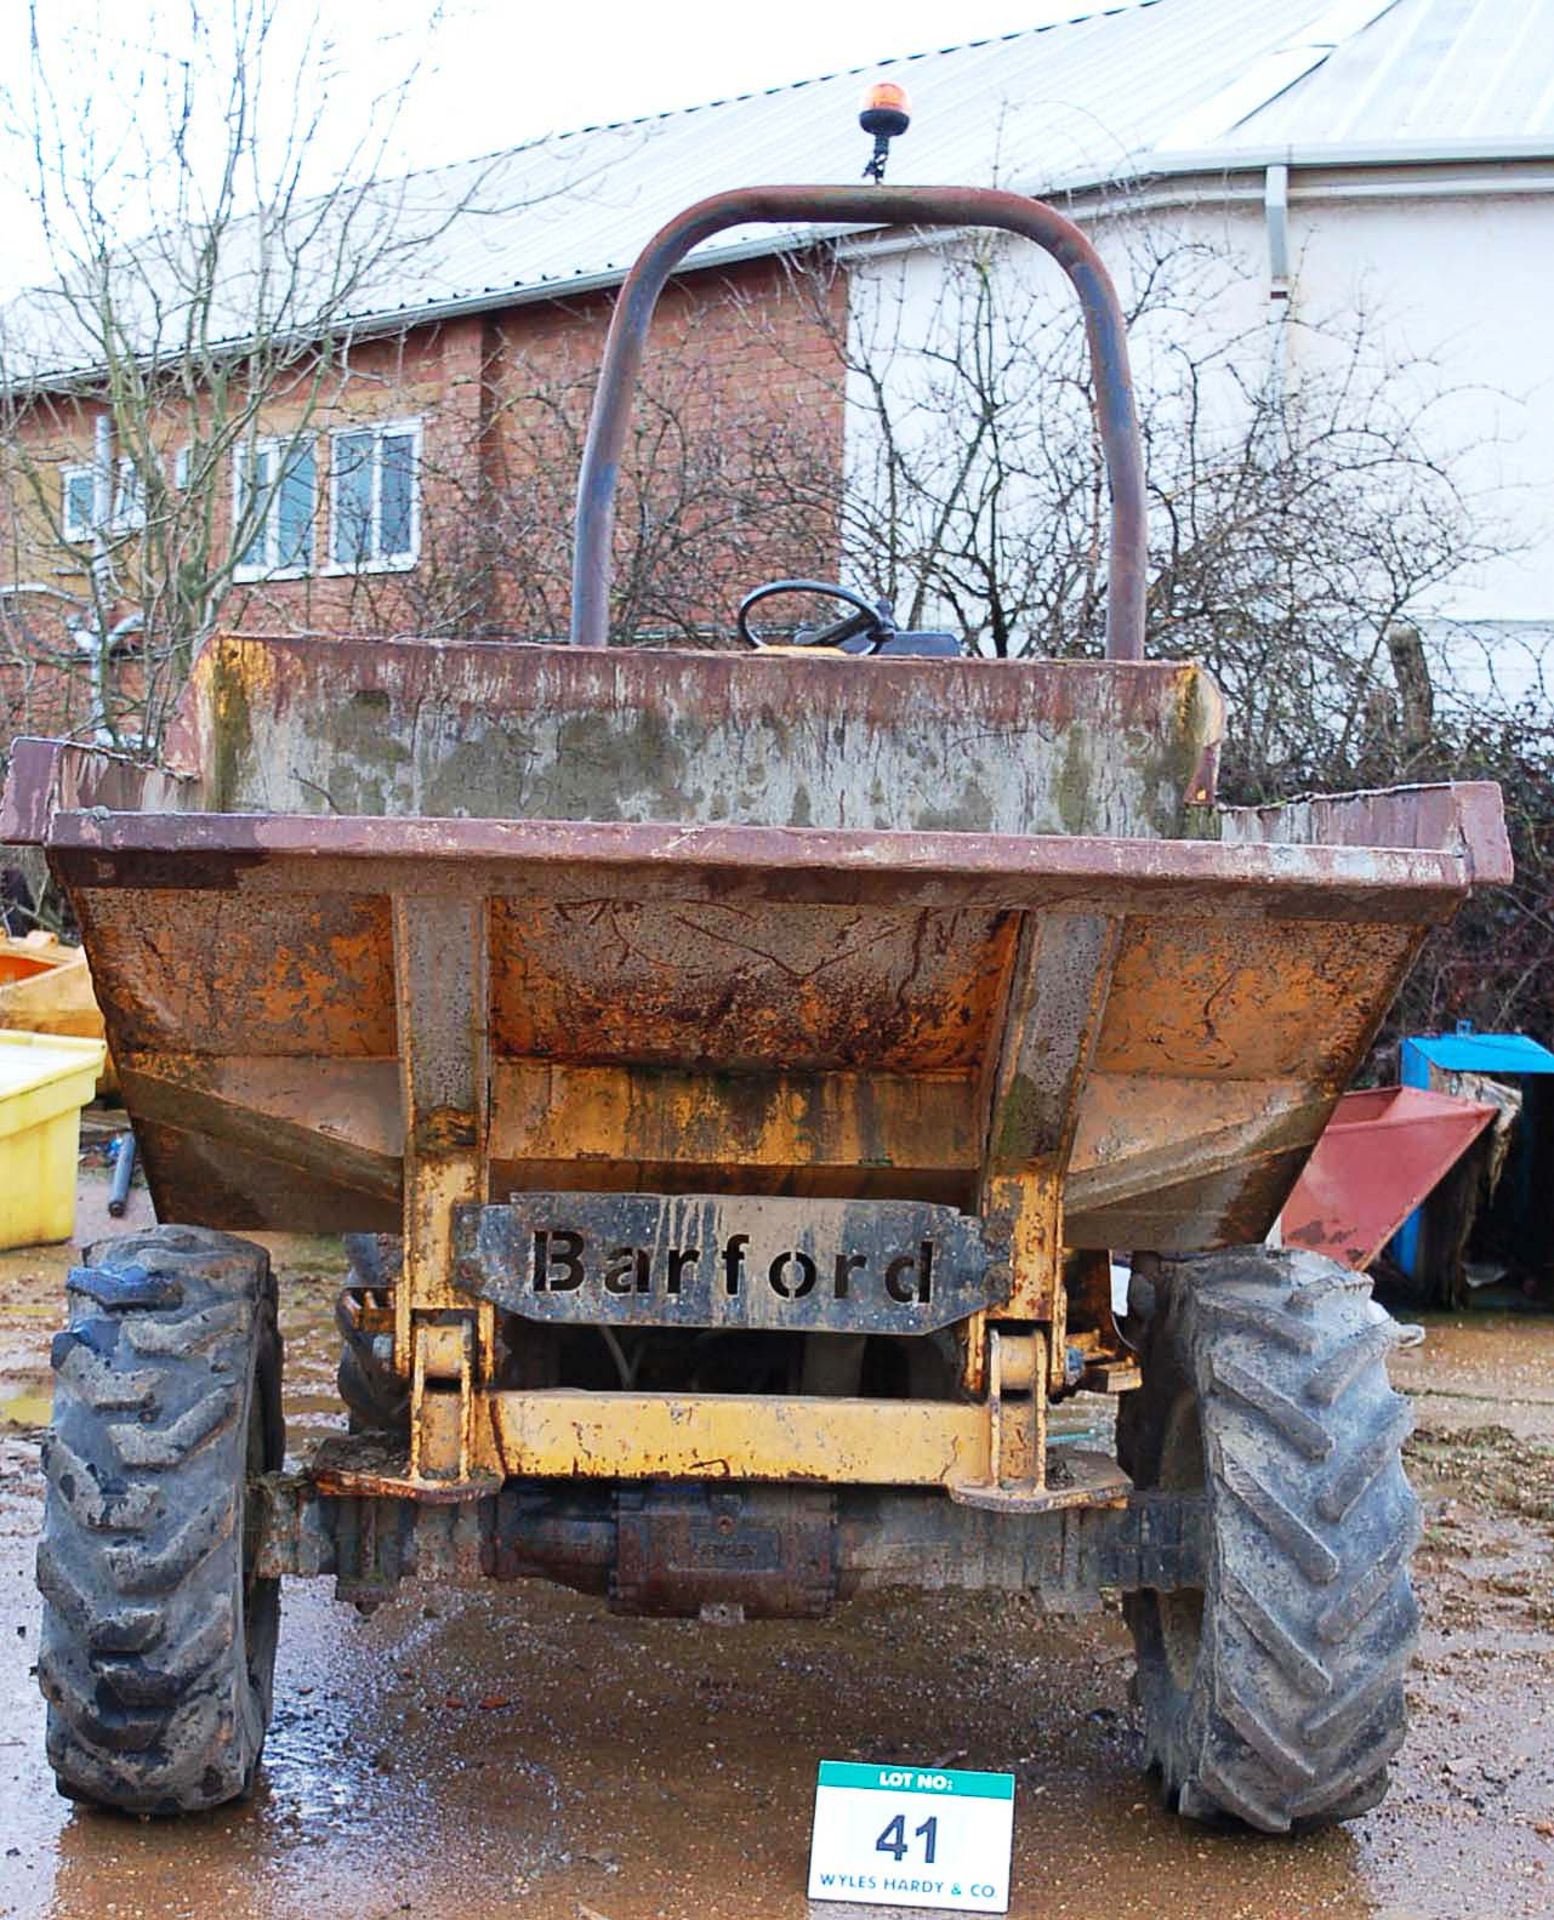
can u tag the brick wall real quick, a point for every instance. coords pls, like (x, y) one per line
(731, 477)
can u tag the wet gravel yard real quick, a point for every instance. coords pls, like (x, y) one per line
(519, 1750)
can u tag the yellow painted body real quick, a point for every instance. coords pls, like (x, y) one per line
(626, 1436)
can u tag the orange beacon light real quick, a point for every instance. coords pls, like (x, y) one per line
(885, 112)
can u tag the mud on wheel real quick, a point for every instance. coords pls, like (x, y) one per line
(158, 1644)
(1275, 1693)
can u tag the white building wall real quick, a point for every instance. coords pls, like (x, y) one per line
(1457, 288)
(1468, 284)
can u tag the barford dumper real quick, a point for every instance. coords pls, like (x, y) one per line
(740, 1071)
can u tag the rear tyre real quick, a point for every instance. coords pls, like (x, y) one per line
(158, 1647)
(1274, 1695)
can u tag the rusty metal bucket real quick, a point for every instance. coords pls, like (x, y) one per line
(768, 926)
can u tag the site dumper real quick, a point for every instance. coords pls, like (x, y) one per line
(741, 1071)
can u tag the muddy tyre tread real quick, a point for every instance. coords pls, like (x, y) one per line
(156, 1660)
(1296, 1703)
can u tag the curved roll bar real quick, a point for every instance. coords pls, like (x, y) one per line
(592, 561)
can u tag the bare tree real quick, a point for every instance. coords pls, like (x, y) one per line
(156, 399)
(724, 484)
(1494, 963)
(1301, 518)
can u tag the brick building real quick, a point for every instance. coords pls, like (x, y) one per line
(1335, 154)
(421, 480)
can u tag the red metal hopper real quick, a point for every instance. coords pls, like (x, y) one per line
(1382, 1153)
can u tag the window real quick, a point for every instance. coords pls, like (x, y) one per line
(78, 500)
(77, 510)
(274, 495)
(375, 505)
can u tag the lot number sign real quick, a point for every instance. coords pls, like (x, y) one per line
(912, 1837)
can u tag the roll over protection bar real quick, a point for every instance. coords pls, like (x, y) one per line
(592, 564)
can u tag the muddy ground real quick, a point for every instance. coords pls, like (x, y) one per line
(505, 1751)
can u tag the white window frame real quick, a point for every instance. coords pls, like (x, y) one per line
(380, 430)
(281, 445)
(122, 518)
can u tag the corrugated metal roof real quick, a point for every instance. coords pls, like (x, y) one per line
(1107, 96)
(1070, 103)
(1427, 74)
(1268, 77)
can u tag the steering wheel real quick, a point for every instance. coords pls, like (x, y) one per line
(869, 622)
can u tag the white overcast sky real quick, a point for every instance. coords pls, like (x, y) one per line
(491, 73)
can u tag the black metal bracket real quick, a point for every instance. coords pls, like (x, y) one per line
(729, 1261)
(760, 1552)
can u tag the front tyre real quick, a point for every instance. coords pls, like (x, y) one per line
(1274, 1694)
(158, 1647)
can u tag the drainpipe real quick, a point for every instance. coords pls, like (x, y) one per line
(92, 634)
(1276, 223)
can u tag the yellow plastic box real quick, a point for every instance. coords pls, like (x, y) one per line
(45, 1081)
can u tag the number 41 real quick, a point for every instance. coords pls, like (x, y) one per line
(894, 1841)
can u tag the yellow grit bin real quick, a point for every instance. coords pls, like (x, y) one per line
(45, 1081)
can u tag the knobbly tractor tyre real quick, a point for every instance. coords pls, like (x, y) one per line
(1274, 1695)
(158, 1645)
